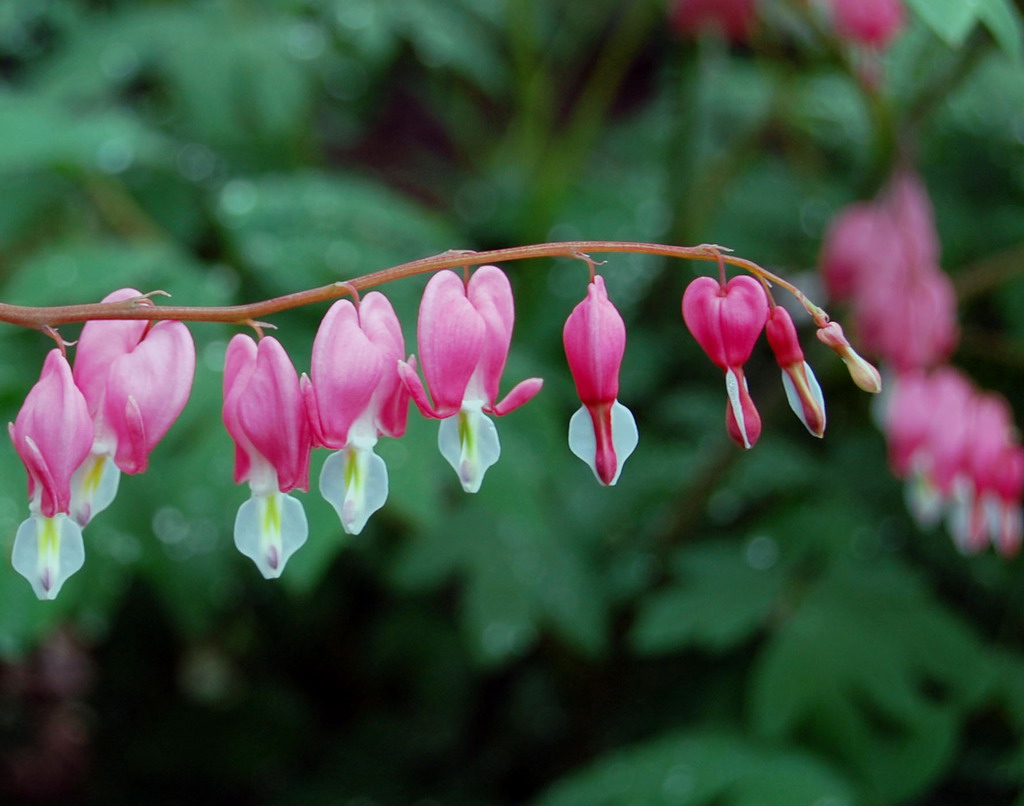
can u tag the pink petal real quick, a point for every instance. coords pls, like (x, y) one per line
(782, 337)
(452, 336)
(345, 370)
(595, 340)
(157, 377)
(742, 420)
(239, 364)
(312, 410)
(391, 398)
(53, 434)
(273, 417)
(101, 342)
(521, 394)
(726, 321)
(490, 293)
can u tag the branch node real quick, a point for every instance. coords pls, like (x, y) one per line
(259, 326)
(54, 334)
(589, 261)
(351, 289)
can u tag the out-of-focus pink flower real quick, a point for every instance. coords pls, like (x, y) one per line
(1004, 506)
(802, 389)
(856, 242)
(735, 19)
(354, 397)
(464, 332)
(52, 435)
(883, 257)
(265, 416)
(872, 23)
(909, 321)
(136, 379)
(726, 321)
(958, 451)
(602, 432)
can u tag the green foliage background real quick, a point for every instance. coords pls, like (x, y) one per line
(721, 628)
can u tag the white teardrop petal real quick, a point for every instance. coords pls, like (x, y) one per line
(47, 551)
(625, 436)
(582, 441)
(93, 487)
(269, 529)
(796, 402)
(732, 389)
(355, 482)
(469, 441)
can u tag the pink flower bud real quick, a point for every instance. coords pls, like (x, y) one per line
(603, 432)
(862, 372)
(802, 389)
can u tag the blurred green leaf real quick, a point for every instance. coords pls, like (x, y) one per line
(82, 271)
(875, 672)
(951, 20)
(701, 768)
(40, 133)
(1003, 20)
(723, 595)
(308, 228)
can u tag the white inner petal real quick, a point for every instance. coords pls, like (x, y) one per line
(732, 389)
(269, 529)
(583, 441)
(47, 551)
(93, 487)
(469, 441)
(355, 482)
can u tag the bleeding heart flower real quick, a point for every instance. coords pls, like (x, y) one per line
(464, 332)
(52, 434)
(726, 321)
(355, 396)
(136, 379)
(264, 414)
(602, 432)
(802, 389)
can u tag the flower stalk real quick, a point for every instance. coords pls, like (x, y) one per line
(44, 318)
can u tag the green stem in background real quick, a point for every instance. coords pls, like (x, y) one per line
(989, 274)
(942, 84)
(564, 155)
(48, 317)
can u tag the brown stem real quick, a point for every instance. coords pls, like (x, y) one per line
(42, 318)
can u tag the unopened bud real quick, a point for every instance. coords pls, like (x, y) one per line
(863, 372)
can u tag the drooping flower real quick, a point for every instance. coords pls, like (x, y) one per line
(862, 372)
(354, 397)
(264, 414)
(464, 332)
(136, 379)
(602, 432)
(52, 435)
(854, 238)
(802, 389)
(726, 321)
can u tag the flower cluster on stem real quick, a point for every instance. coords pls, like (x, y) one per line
(80, 428)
